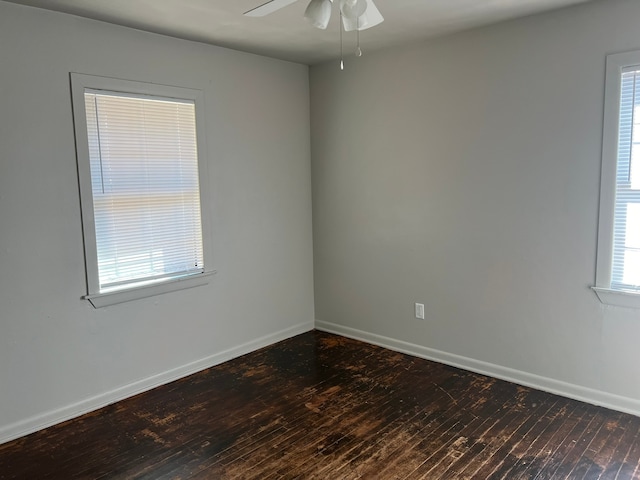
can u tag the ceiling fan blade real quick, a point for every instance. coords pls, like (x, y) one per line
(269, 7)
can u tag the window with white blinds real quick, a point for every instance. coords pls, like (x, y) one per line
(143, 176)
(625, 272)
(618, 262)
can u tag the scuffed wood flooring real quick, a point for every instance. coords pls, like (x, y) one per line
(320, 406)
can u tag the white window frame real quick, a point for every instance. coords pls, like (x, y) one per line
(615, 66)
(80, 83)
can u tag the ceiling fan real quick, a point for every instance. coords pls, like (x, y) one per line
(355, 14)
(268, 7)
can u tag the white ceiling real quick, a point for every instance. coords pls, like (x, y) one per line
(285, 34)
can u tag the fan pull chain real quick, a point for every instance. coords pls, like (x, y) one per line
(358, 49)
(341, 45)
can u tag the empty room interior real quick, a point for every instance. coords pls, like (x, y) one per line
(417, 262)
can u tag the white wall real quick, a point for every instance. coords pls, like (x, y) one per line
(463, 173)
(59, 356)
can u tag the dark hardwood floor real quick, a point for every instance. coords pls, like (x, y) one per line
(319, 406)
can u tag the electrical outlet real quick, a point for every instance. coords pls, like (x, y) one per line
(420, 311)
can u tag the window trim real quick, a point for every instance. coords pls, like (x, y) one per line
(81, 82)
(615, 65)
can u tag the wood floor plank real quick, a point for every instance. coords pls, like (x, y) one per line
(419, 402)
(560, 432)
(575, 464)
(535, 453)
(326, 449)
(313, 406)
(567, 446)
(406, 450)
(490, 443)
(324, 407)
(522, 424)
(625, 465)
(601, 449)
(396, 402)
(245, 431)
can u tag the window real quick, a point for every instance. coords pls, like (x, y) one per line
(141, 191)
(618, 264)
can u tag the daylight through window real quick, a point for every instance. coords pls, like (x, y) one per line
(143, 219)
(144, 178)
(626, 232)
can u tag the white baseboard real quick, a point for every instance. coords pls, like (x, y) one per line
(576, 392)
(47, 419)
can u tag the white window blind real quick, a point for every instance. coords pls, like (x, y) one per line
(625, 272)
(145, 186)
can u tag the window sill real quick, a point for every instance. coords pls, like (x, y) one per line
(619, 298)
(99, 300)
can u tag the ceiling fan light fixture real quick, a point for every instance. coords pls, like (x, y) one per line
(370, 18)
(352, 9)
(318, 12)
